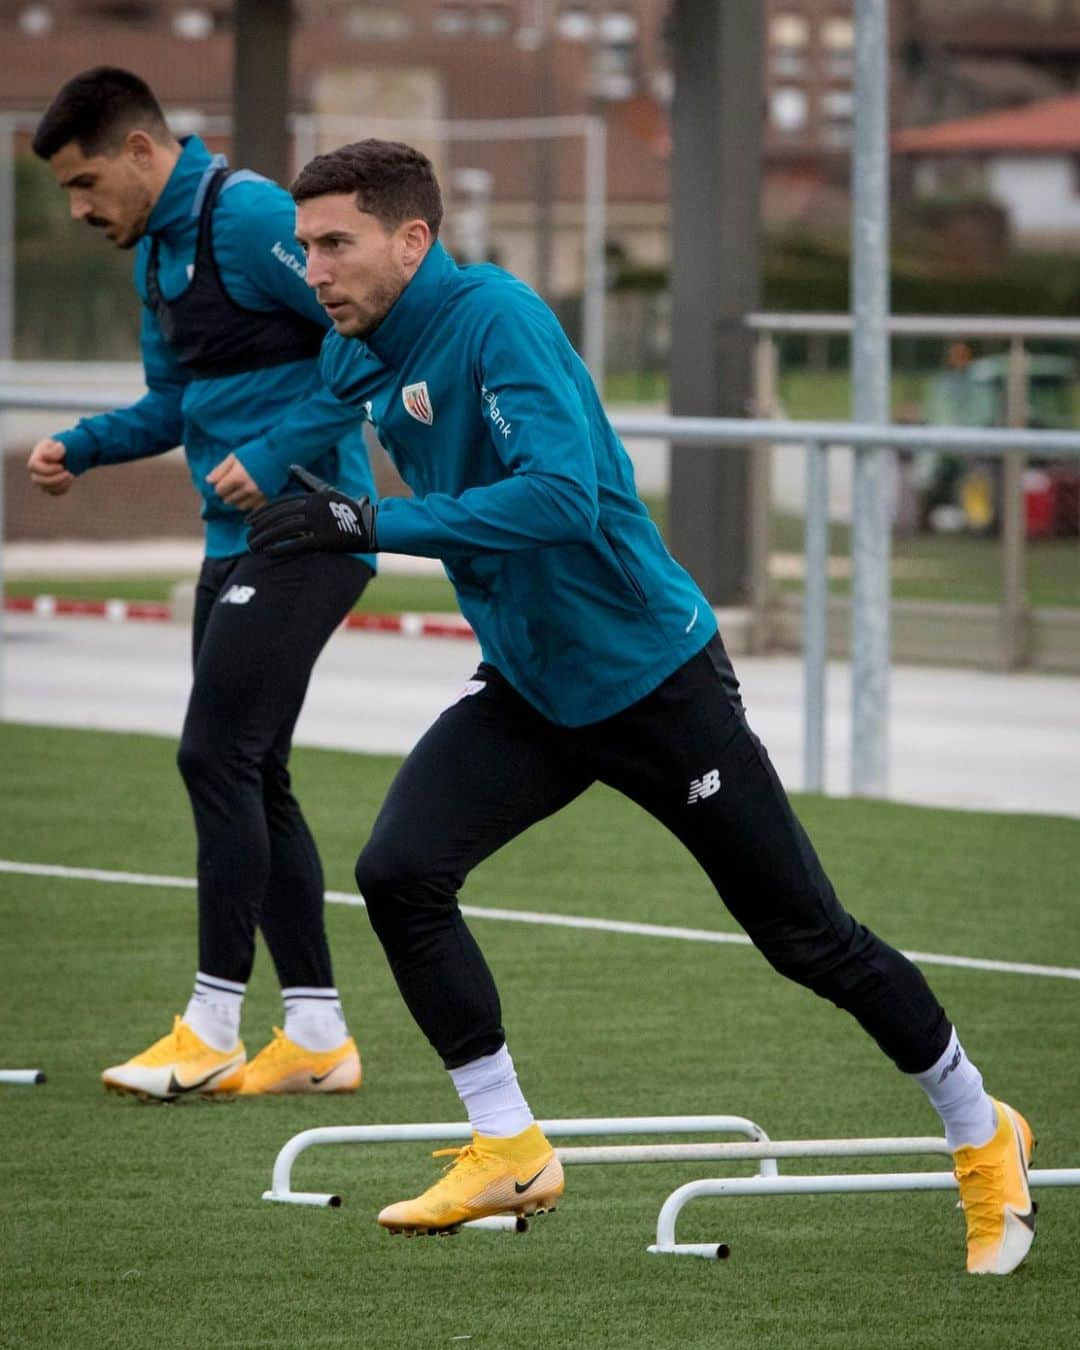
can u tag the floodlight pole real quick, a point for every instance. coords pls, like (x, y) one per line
(871, 523)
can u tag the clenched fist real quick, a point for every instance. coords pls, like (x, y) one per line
(234, 485)
(46, 465)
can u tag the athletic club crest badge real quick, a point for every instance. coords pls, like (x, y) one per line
(417, 402)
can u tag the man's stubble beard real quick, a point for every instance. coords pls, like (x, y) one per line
(142, 220)
(383, 303)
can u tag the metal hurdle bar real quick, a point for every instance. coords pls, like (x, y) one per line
(760, 1148)
(848, 1183)
(21, 1076)
(281, 1181)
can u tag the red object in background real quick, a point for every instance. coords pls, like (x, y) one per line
(1052, 503)
(1038, 504)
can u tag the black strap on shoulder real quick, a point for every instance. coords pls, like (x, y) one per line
(206, 212)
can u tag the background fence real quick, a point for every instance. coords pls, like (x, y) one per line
(815, 438)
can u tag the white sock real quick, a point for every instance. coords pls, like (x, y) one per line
(955, 1088)
(489, 1089)
(213, 1011)
(314, 1018)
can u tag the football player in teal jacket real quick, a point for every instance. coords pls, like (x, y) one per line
(601, 662)
(231, 335)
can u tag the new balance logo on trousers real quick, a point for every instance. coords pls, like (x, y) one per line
(704, 786)
(237, 595)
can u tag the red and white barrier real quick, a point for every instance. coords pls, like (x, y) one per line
(123, 611)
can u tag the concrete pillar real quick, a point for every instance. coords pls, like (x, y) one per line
(718, 106)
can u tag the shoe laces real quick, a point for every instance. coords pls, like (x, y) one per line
(278, 1048)
(167, 1049)
(468, 1157)
(981, 1198)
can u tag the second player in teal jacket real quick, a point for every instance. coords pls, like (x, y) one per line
(268, 417)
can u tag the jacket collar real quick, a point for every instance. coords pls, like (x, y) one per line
(174, 209)
(411, 312)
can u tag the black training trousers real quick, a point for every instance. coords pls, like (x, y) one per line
(491, 766)
(259, 626)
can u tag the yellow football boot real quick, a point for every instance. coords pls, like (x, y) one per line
(283, 1066)
(521, 1175)
(995, 1197)
(181, 1064)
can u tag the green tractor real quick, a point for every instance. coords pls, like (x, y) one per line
(963, 492)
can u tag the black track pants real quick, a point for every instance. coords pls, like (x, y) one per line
(259, 626)
(491, 766)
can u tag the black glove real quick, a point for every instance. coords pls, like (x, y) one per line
(323, 521)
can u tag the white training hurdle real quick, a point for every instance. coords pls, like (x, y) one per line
(758, 1148)
(281, 1180)
(849, 1183)
(21, 1076)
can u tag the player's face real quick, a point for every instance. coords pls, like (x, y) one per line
(108, 192)
(356, 266)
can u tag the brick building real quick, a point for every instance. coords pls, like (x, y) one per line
(363, 66)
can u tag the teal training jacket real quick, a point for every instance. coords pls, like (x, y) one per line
(268, 418)
(522, 489)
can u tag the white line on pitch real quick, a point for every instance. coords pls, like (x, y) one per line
(550, 920)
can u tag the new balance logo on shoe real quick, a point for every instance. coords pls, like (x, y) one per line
(953, 1063)
(704, 786)
(238, 595)
(345, 517)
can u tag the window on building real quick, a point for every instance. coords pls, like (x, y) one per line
(617, 26)
(615, 54)
(192, 24)
(838, 44)
(574, 23)
(838, 112)
(36, 20)
(788, 109)
(613, 72)
(452, 20)
(492, 21)
(789, 38)
(376, 23)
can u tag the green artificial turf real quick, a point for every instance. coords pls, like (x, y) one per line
(125, 1225)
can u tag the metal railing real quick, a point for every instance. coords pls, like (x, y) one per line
(922, 325)
(1017, 332)
(816, 437)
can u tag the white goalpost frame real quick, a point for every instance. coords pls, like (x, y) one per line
(759, 1148)
(589, 128)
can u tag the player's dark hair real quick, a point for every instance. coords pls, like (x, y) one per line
(96, 110)
(391, 181)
